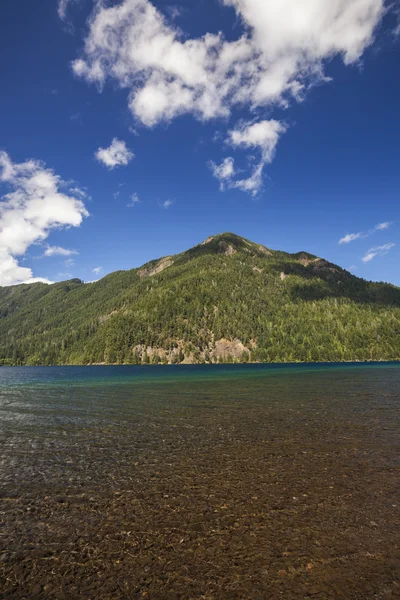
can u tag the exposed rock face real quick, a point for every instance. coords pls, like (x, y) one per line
(258, 270)
(233, 348)
(305, 261)
(283, 276)
(304, 258)
(211, 352)
(149, 350)
(207, 241)
(226, 248)
(160, 266)
(264, 250)
(152, 352)
(322, 266)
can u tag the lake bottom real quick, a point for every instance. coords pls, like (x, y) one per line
(242, 485)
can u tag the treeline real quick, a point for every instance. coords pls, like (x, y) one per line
(274, 307)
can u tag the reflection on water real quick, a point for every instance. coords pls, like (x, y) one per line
(233, 481)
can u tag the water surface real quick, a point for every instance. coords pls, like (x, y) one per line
(200, 482)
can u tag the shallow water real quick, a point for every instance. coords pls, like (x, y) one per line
(200, 482)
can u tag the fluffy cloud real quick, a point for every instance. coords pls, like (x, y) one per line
(279, 55)
(224, 172)
(262, 136)
(58, 251)
(253, 183)
(116, 155)
(33, 205)
(97, 270)
(167, 204)
(281, 52)
(378, 251)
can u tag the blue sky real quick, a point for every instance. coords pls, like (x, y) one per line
(282, 128)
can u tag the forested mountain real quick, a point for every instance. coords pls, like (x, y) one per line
(227, 299)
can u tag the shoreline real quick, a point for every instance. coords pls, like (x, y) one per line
(215, 364)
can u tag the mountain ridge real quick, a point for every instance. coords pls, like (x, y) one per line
(226, 299)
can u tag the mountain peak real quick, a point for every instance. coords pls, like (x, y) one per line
(230, 243)
(225, 299)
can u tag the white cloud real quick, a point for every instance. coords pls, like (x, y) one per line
(133, 201)
(116, 155)
(167, 204)
(382, 226)
(58, 251)
(97, 270)
(253, 183)
(62, 8)
(69, 262)
(79, 193)
(350, 237)
(223, 172)
(278, 57)
(378, 251)
(33, 205)
(285, 44)
(264, 136)
(174, 11)
(117, 193)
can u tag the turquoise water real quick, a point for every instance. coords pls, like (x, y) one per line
(76, 375)
(46, 412)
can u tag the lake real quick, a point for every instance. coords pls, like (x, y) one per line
(200, 482)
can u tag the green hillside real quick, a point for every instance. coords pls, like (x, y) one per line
(226, 299)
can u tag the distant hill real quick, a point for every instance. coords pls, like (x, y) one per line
(227, 299)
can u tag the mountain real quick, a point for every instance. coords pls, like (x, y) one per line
(226, 299)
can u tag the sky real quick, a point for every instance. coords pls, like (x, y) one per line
(135, 129)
